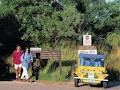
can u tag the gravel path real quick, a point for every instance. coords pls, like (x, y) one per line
(18, 85)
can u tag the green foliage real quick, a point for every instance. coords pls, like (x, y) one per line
(41, 23)
(114, 39)
(5, 9)
(49, 74)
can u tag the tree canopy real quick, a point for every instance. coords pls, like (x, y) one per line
(56, 22)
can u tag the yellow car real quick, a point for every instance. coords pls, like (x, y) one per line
(90, 70)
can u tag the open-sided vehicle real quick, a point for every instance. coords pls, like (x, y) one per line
(90, 70)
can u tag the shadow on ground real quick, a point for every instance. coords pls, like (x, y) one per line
(110, 85)
(113, 84)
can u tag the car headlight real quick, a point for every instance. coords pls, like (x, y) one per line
(99, 72)
(83, 71)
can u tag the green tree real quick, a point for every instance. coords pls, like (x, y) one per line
(41, 23)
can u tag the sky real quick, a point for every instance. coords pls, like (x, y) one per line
(109, 0)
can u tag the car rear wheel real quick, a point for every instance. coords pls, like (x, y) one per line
(76, 81)
(105, 84)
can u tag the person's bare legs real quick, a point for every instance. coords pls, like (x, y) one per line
(19, 71)
(16, 71)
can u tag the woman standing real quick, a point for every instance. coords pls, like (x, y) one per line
(26, 60)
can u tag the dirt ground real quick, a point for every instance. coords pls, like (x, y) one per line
(18, 85)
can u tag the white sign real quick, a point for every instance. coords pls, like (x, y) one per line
(35, 49)
(87, 40)
(87, 52)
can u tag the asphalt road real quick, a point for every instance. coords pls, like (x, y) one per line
(18, 85)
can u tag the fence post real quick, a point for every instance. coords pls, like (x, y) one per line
(60, 62)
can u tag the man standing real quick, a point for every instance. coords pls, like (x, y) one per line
(16, 55)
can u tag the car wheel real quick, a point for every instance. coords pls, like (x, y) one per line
(76, 81)
(105, 84)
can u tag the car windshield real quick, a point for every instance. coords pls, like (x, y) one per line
(95, 62)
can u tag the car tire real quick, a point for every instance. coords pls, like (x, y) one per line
(105, 84)
(76, 81)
